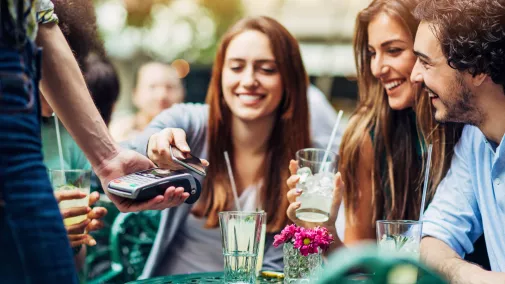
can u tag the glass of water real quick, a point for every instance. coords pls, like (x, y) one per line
(401, 238)
(317, 180)
(241, 236)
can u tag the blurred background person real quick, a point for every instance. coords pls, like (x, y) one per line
(103, 83)
(157, 88)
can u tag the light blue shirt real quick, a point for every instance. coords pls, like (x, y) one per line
(471, 199)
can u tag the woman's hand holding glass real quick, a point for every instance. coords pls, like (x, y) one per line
(78, 233)
(158, 151)
(294, 192)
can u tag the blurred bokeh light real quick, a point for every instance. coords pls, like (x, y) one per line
(186, 33)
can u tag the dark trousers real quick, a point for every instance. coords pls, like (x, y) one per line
(33, 243)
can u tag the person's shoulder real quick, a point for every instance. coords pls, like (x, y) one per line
(315, 94)
(189, 109)
(45, 12)
(471, 137)
(197, 108)
(43, 5)
(122, 127)
(471, 132)
(191, 117)
(186, 113)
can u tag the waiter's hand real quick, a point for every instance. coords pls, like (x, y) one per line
(128, 162)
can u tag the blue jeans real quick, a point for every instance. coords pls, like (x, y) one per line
(34, 247)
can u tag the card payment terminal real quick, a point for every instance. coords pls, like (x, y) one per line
(147, 184)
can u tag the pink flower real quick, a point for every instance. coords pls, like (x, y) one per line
(323, 237)
(290, 231)
(306, 242)
(286, 235)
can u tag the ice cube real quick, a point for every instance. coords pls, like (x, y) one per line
(312, 181)
(326, 182)
(411, 245)
(387, 244)
(325, 179)
(304, 173)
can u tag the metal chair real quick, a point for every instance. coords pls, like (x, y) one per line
(131, 239)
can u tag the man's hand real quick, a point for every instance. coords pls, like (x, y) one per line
(127, 162)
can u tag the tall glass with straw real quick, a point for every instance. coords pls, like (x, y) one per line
(261, 247)
(317, 168)
(70, 179)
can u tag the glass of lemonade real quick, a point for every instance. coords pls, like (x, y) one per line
(72, 180)
(241, 236)
(401, 238)
(317, 180)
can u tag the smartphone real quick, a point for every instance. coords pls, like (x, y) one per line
(187, 160)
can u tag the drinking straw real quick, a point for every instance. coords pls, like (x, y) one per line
(232, 181)
(332, 138)
(426, 177)
(58, 138)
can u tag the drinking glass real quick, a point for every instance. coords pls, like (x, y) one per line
(241, 236)
(261, 247)
(72, 180)
(400, 238)
(317, 180)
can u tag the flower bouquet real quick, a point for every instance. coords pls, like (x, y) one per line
(303, 252)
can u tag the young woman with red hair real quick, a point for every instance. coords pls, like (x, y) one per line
(257, 110)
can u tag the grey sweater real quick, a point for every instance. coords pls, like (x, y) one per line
(193, 118)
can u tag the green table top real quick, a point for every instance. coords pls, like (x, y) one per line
(207, 277)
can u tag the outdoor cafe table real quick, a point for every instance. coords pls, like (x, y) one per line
(207, 277)
(217, 277)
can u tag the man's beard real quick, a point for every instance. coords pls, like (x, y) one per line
(460, 107)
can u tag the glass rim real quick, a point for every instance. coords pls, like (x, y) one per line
(241, 213)
(69, 171)
(399, 222)
(333, 155)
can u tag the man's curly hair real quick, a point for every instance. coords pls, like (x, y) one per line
(471, 34)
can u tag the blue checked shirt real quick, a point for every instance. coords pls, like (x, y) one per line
(471, 199)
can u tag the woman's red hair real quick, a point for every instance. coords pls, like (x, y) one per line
(290, 132)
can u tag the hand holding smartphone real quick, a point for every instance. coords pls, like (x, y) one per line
(187, 160)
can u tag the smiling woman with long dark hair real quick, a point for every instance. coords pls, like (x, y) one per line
(383, 149)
